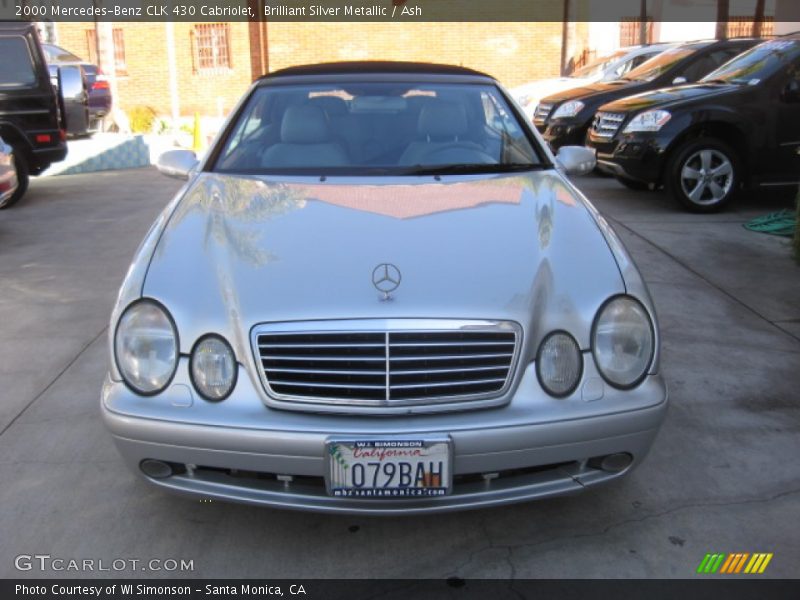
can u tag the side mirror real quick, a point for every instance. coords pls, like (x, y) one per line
(791, 93)
(679, 81)
(177, 163)
(576, 160)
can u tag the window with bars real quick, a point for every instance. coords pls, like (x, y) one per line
(745, 27)
(120, 65)
(629, 31)
(119, 52)
(211, 50)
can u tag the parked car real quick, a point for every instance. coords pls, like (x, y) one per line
(739, 127)
(31, 111)
(8, 173)
(383, 240)
(606, 68)
(97, 83)
(565, 118)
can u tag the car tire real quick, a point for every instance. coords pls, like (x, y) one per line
(632, 184)
(703, 174)
(23, 177)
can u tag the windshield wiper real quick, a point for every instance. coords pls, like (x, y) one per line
(466, 169)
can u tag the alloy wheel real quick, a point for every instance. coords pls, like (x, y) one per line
(707, 177)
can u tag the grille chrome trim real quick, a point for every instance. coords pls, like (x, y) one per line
(423, 365)
(606, 124)
(543, 110)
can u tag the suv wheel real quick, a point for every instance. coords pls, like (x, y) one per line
(22, 179)
(703, 174)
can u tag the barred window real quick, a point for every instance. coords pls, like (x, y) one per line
(630, 31)
(120, 65)
(211, 47)
(119, 52)
(745, 27)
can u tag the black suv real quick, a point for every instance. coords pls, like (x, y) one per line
(738, 127)
(30, 107)
(565, 117)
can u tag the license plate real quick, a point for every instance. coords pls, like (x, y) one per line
(389, 468)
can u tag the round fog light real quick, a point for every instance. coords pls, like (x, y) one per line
(156, 469)
(614, 463)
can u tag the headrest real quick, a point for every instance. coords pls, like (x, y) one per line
(304, 124)
(442, 119)
(332, 105)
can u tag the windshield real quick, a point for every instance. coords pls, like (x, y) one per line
(597, 67)
(376, 129)
(757, 64)
(59, 55)
(660, 63)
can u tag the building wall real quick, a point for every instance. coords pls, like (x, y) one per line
(515, 53)
(146, 81)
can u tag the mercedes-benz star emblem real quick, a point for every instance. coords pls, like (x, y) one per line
(386, 277)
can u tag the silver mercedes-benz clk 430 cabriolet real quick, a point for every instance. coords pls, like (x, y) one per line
(379, 293)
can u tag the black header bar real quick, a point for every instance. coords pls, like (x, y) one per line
(399, 11)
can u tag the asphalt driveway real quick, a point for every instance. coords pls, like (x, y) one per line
(723, 475)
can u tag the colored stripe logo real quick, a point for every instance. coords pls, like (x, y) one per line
(736, 563)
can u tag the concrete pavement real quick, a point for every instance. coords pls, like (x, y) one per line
(722, 475)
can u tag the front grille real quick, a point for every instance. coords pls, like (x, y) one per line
(606, 124)
(402, 364)
(541, 113)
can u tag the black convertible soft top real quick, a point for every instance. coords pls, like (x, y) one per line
(373, 67)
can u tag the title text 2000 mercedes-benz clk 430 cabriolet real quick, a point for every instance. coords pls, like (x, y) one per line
(378, 293)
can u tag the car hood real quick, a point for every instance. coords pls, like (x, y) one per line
(592, 89)
(238, 251)
(545, 87)
(666, 97)
(537, 90)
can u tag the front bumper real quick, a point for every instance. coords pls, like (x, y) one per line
(565, 132)
(639, 157)
(534, 447)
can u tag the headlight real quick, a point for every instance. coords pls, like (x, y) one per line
(213, 368)
(623, 342)
(651, 120)
(559, 364)
(146, 347)
(568, 109)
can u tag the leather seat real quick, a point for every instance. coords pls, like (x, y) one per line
(305, 141)
(442, 127)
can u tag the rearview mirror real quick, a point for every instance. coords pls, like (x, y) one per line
(177, 163)
(679, 81)
(576, 160)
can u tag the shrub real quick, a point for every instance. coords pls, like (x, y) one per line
(142, 119)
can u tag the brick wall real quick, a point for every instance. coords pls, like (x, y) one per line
(147, 78)
(515, 53)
